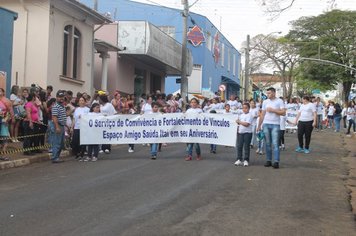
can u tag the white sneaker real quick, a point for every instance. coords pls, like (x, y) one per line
(258, 150)
(107, 151)
(86, 159)
(238, 163)
(101, 151)
(131, 150)
(245, 163)
(94, 159)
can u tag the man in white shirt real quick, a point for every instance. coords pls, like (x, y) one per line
(272, 109)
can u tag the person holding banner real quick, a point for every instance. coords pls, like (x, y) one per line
(154, 146)
(244, 135)
(306, 120)
(107, 109)
(194, 108)
(272, 109)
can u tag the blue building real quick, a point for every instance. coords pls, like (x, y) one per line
(7, 19)
(215, 60)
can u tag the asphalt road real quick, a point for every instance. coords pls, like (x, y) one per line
(129, 194)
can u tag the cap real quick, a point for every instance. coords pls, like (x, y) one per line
(60, 93)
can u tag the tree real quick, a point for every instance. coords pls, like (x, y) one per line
(276, 7)
(271, 52)
(329, 36)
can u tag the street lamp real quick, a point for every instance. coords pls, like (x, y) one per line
(247, 60)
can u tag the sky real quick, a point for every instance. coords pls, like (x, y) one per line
(238, 18)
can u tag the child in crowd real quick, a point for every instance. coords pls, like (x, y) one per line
(283, 120)
(68, 131)
(260, 137)
(254, 113)
(244, 135)
(194, 109)
(93, 149)
(154, 146)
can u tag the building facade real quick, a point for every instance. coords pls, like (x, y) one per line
(54, 43)
(215, 60)
(7, 19)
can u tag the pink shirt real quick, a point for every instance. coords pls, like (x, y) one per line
(34, 111)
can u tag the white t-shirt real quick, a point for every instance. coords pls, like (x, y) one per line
(107, 109)
(194, 110)
(271, 117)
(331, 110)
(245, 117)
(254, 113)
(283, 122)
(292, 106)
(307, 112)
(146, 108)
(233, 104)
(350, 113)
(78, 113)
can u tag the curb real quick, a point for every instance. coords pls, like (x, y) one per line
(30, 160)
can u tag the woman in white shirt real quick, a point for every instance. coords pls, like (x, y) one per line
(306, 120)
(350, 116)
(77, 149)
(194, 109)
(254, 113)
(106, 109)
(147, 107)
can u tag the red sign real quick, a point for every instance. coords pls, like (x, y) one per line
(196, 36)
(216, 53)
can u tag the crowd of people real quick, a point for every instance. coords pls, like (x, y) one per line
(36, 117)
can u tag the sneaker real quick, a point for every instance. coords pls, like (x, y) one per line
(107, 151)
(268, 164)
(261, 153)
(276, 165)
(94, 159)
(188, 158)
(258, 150)
(299, 149)
(214, 152)
(245, 163)
(154, 157)
(306, 151)
(130, 150)
(238, 163)
(199, 158)
(101, 151)
(87, 159)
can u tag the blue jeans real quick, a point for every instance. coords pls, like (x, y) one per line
(154, 148)
(337, 120)
(213, 147)
(319, 119)
(272, 139)
(57, 141)
(190, 148)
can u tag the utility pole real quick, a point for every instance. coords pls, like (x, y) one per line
(247, 67)
(184, 79)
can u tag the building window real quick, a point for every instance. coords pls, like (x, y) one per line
(170, 30)
(222, 54)
(234, 64)
(228, 59)
(71, 52)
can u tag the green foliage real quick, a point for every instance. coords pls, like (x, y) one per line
(329, 36)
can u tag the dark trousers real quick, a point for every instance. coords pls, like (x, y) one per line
(243, 143)
(42, 129)
(281, 137)
(106, 146)
(305, 129)
(344, 121)
(77, 149)
(32, 141)
(93, 150)
(351, 122)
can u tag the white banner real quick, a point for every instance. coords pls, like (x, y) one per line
(159, 128)
(291, 115)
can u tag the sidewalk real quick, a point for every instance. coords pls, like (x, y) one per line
(18, 159)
